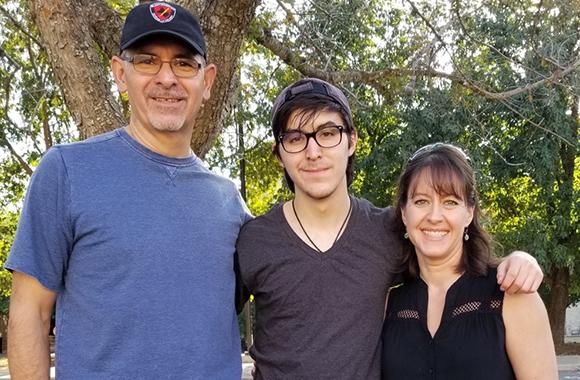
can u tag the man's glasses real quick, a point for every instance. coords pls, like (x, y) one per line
(296, 141)
(151, 64)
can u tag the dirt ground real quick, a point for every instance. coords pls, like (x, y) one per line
(569, 349)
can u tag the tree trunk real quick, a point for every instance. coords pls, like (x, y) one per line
(557, 303)
(77, 64)
(4, 333)
(226, 25)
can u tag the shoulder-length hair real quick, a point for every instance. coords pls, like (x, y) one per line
(450, 173)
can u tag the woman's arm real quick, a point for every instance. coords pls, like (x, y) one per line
(528, 337)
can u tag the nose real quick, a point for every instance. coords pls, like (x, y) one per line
(165, 76)
(435, 213)
(312, 148)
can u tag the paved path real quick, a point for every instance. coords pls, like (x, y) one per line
(568, 368)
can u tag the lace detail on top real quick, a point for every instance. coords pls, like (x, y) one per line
(472, 306)
(408, 314)
(469, 307)
(466, 308)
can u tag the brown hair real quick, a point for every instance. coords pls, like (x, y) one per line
(451, 173)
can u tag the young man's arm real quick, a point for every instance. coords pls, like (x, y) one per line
(242, 293)
(31, 307)
(519, 273)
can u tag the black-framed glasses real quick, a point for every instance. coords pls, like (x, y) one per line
(296, 141)
(151, 64)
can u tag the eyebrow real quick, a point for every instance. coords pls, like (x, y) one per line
(179, 55)
(317, 128)
(442, 195)
(328, 124)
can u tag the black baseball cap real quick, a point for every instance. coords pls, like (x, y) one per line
(163, 18)
(309, 86)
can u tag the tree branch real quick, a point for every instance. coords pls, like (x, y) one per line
(12, 61)
(548, 131)
(45, 125)
(290, 16)
(225, 25)
(4, 142)
(373, 78)
(19, 158)
(105, 25)
(19, 27)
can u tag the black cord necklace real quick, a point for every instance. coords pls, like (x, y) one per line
(339, 230)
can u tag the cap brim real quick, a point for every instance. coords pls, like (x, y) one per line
(188, 41)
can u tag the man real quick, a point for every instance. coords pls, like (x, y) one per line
(129, 233)
(320, 265)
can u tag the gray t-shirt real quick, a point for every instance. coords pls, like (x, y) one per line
(319, 316)
(139, 248)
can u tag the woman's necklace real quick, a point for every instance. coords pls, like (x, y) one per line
(339, 230)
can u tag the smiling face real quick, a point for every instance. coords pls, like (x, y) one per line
(436, 219)
(163, 102)
(317, 172)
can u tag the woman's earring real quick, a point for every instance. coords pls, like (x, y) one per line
(406, 235)
(466, 235)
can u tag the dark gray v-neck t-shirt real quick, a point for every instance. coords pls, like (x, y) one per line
(319, 315)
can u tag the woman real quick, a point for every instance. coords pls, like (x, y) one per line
(449, 320)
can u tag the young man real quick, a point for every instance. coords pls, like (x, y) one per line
(320, 265)
(129, 233)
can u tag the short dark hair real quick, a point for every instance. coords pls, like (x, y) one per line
(451, 172)
(307, 103)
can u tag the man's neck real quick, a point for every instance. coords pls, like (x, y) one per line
(319, 222)
(174, 144)
(322, 210)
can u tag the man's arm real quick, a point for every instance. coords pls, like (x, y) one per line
(242, 293)
(519, 273)
(31, 307)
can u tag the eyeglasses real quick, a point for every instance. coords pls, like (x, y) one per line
(296, 141)
(151, 64)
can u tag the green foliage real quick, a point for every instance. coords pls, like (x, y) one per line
(8, 221)
(32, 111)
(264, 177)
(121, 6)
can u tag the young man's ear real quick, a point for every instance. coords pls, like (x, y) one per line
(353, 138)
(276, 154)
(119, 73)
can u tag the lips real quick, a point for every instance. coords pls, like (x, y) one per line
(313, 170)
(166, 100)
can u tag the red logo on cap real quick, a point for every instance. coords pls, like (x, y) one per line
(162, 12)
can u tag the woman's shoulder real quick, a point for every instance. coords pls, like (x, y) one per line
(404, 295)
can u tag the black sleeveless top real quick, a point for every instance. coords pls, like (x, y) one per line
(470, 341)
